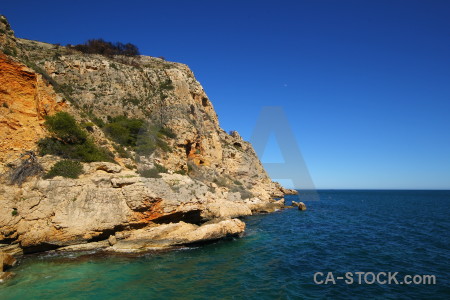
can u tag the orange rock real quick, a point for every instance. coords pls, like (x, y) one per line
(25, 99)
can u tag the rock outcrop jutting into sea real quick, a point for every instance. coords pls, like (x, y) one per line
(188, 185)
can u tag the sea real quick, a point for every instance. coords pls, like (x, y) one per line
(348, 244)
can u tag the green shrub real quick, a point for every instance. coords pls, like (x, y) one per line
(66, 129)
(150, 173)
(97, 121)
(123, 130)
(133, 101)
(163, 146)
(138, 135)
(145, 147)
(245, 194)
(10, 51)
(121, 151)
(181, 172)
(65, 168)
(70, 141)
(153, 172)
(67, 88)
(89, 126)
(14, 212)
(221, 181)
(167, 132)
(160, 168)
(108, 49)
(87, 151)
(166, 85)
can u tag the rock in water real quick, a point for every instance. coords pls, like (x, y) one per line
(301, 206)
(5, 275)
(294, 203)
(7, 261)
(112, 240)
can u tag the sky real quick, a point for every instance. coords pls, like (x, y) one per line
(364, 85)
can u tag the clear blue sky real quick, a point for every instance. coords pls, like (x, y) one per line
(365, 84)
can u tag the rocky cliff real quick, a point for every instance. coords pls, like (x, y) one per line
(208, 175)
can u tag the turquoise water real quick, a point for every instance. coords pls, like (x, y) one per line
(346, 231)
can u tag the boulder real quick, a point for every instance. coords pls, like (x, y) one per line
(119, 182)
(112, 240)
(5, 275)
(294, 204)
(84, 247)
(6, 261)
(176, 234)
(301, 206)
(103, 166)
(225, 209)
(215, 231)
(256, 205)
(289, 191)
(280, 202)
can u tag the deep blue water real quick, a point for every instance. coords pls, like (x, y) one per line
(345, 231)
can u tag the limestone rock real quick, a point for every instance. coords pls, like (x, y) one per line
(226, 209)
(112, 240)
(258, 206)
(5, 276)
(209, 232)
(119, 182)
(288, 191)
(181, 233)
(301, 206)
(223, 177)
(294, 204)
(6, 261)
(13, 249)
(85, 247)
(103, 166)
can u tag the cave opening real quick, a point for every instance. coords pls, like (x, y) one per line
(238, 145)
(188, 148)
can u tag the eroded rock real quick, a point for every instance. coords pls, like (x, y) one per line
(174, 234)
(301, 206)
(6, 261)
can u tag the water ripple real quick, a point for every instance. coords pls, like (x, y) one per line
(347, 231)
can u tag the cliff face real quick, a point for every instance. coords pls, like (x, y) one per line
(164, 93)
(25, 98)
(225, 178)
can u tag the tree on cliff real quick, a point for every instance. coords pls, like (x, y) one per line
(100, 46)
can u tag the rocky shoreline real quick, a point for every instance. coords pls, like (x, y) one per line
(117, 153)
(117, 211)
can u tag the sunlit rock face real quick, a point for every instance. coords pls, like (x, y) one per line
(211, 175)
